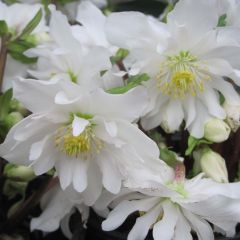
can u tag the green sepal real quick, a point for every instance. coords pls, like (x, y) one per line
(3, 28)
(169, 157)
(132, 82)
(195, 142)
(17, 48)
(31, 25)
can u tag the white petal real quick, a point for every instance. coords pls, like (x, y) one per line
(112, 178)
(136, 139)
(128, 106)
(211, 100)
(183, 229)
(125, 30)
(78, 125)
(231, 54)
(164, 229)
(227, 90)
(37, 148)
(197, 22)
(197, 127)
(58, 25)
(174, 115)
(144, 223)
(200, 226)
(56, 208)
(190, 110)
(80, 174)
(93, 21)
(64, 167)
(29, 92)
(94, 188)
(125, 208)
(218, 67)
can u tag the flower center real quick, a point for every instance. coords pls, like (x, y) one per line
(180, 75)
(84, 145)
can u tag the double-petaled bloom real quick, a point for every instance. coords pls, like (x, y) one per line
(87, 136)
(187, 60)
(81, 55)
(174, 209)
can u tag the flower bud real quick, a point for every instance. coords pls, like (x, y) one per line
(214, 166)
(16, 106)
(216, 130)
(42, 37)
(19, 173)
(12, 118)
(233, 115)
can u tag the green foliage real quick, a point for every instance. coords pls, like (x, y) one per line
(17, 48)
(195, 142)
(31, 25)
(169, 157)
(63, 2)
(131, 83)
(9, 2)
(120, 55)
(3, 28)
(5, 102)
(222, 21)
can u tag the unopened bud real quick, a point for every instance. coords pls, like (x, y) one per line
(214, 166)
(16, 106)
(216, 130)
(233, 115)
(42, 37)
(19, 173)
(12, 118)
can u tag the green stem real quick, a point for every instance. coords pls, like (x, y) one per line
(3, 58)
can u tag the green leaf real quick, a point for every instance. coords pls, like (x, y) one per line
(9, 2)
(221, 98)
(195, 142)
(3, 28)
(45, 3)
(132, 82)
(120, 55)
(31, 25)
(63, 2)
(17, 48)
(5, 101)
(222, 21)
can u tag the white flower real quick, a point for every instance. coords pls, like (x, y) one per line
(175, 209)
(87, 137)
(58, 206)
(17, 16)
(186, 60)
(67, 58)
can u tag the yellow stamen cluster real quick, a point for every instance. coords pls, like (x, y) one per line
(180, 75)
(85, 144)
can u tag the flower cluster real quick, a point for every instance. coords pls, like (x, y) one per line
(96, 99)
